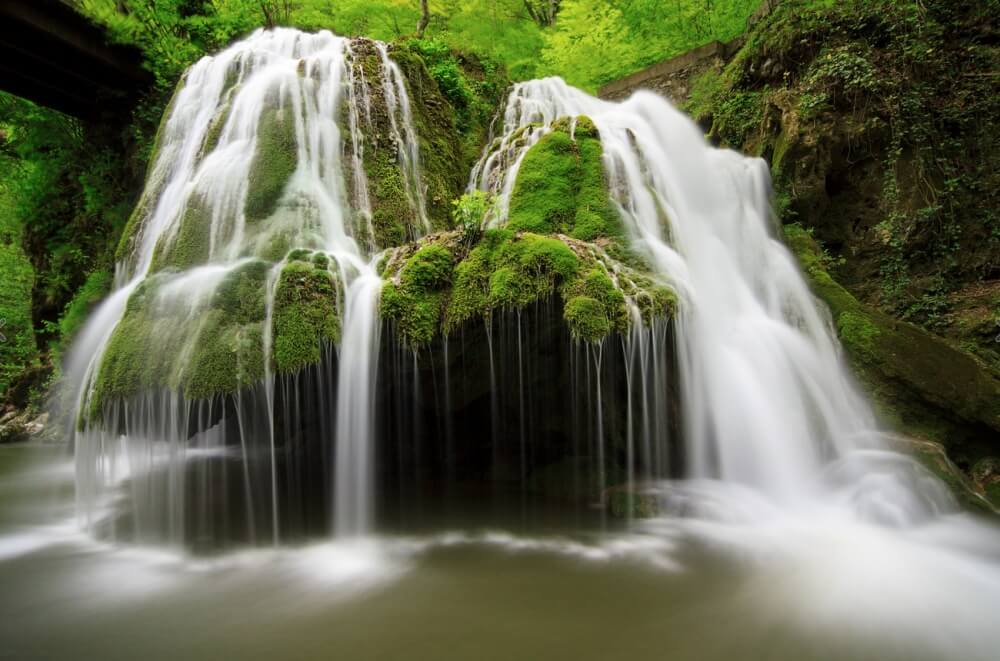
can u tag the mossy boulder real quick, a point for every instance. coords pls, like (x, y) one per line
(202, 347)
(561, 185)
(189, 245)
(305, 314)
(214, 344)
(206, 339)
(274, 162)
(440, 283)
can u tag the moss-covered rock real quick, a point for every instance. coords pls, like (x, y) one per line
(587, 318)
(913, 374)
(305, 315)
(189, 245)
(439, 284)
(274, 162)
(202, 348)
(561, 185)
(202, 341)
(443, 164)
(416, 301)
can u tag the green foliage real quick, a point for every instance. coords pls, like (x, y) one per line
(19, 351)
(594, 42)
(94, 289)
(470, 211)
(444, 68)
(67, 195)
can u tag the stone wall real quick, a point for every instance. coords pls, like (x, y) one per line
(672, 77)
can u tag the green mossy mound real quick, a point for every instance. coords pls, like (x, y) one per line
(305, 315)
(157, 345)
(216, 346)
(189, 245)
(561, 185)
(439, 284)
(274, 162)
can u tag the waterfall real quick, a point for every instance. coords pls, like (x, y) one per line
(245, 324)
(766, 401)
(260, 160)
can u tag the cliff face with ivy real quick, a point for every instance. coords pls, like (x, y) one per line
(877, 119)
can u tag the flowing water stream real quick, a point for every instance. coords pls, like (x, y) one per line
(790, 530)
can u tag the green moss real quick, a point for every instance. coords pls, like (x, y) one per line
(392, 215)
(417, 314)
(189, 245)
(95, 288)
(141, 351)
(859, 335)
(225, 356)
(321, 260)
(241, 294)
(595, 216)
(587, 319)
(428, 269)
(914, 375)
(305, 315)
(214, 132)
(273, 164)
(471, 291)
(159, 345)
(506, 270)
(600, 287)
(561, 185)
(544, 196)
(126, 243)
(416, 304)
(543, 255)
(443, 163)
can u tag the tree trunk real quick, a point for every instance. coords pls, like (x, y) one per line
(425, 18)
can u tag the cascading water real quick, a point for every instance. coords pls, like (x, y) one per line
(240, 374)
(262, 150)
(767, 403)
